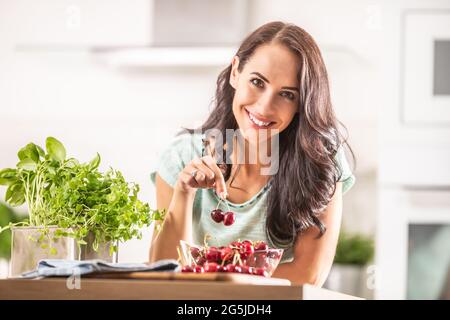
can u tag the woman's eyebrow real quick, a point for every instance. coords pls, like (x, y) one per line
(265, 79)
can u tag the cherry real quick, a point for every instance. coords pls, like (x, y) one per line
(238, 269)
(198, 269)
(235, 244)
(246, 249)
(217, 215)
(210, 267)
(226, 254)
(245, 269)
(261, 272)
(230, 267)
(274, 255)
(260, 260)
(261, 246)
(251, 270)
(212, 254)
(187, 269)
(201, 261)
(229, 218)
(195, 252)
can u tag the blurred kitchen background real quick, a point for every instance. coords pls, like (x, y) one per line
(121, 77)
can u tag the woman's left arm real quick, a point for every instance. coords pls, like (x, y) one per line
(314, 256)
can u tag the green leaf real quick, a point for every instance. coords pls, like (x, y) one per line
(29, 152)
(55, 149)
(71, 163)
(94, 163)
(15, 194)
(40, 151)
(8, 176)
(27, 164)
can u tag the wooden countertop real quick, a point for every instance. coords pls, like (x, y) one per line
(161, 289)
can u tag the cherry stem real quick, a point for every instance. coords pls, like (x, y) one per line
(220, 200)
(228, 206)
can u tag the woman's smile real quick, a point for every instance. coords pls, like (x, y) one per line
(258, 122)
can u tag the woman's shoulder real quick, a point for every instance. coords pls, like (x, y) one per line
(181, 150)
(347, 178)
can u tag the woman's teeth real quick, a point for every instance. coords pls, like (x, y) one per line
(257, 122)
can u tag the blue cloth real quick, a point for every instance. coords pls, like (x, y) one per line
(61, 267)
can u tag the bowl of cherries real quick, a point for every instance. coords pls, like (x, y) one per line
(247, 257)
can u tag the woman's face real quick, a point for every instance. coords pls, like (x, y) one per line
(266, 91)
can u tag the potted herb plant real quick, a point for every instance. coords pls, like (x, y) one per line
(7, 215)
(348, 273)
(75, 211)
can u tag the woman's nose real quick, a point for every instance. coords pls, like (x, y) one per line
(265, 103)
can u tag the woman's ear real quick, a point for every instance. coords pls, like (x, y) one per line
(234, 72)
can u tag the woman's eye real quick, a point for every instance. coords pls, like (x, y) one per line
(288, 95)
(257, 82)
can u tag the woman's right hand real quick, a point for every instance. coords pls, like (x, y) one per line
(202, 173)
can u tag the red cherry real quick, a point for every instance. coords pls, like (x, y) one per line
(261, 272)
(217, 215)
(245, 269)
(229, 218)
(246, 249)
(251, 260)
(212, 254)
(261, 260)
(230, 267)
(235, 244)
(195, 252)
(274, 254)
(226, 254)
(187, 269)
(210, 267)
(201, 261)
(261, 246)
(238, 269)
(198, 269)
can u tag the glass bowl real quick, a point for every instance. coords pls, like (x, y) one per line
(233, 258)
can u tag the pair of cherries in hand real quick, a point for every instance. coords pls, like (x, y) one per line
(228, 217)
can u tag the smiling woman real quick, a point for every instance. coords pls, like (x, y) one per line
(275, 92)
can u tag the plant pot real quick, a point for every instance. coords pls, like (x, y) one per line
(30, 244)
(346, 278)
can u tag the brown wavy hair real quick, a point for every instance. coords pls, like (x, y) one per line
(308, 169)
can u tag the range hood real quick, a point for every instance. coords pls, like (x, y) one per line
(186, 33)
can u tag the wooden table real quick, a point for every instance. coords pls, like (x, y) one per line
(125, 289)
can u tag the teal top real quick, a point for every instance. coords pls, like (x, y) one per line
(250, 215)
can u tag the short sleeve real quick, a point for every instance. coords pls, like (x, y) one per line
(181, 150)
(347, 177)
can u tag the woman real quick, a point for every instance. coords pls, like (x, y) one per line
(277, 82)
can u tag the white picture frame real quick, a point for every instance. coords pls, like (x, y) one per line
(420, 105)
